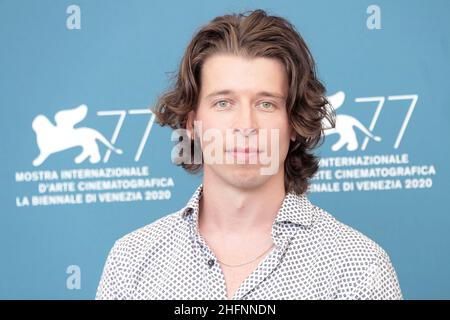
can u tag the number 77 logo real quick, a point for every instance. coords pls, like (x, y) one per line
(413, 98)
(121, 114)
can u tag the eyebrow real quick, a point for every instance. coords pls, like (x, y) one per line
(260, 93)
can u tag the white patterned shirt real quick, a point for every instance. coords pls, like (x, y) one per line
(315, 257)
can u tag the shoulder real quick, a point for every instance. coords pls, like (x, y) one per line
(142, 239)
(346, 240)
(363, 269)
(128, 256)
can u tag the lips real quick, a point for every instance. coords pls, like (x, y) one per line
(244, 150)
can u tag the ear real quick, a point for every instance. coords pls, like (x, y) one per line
(190, 123)
(293, 134)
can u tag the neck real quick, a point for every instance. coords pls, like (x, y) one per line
(229, 211)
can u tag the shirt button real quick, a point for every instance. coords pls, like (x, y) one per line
(211, 262)
(187, 212)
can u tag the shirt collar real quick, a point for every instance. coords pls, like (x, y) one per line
(295, 208)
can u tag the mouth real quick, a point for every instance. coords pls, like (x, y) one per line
(244, 154)
(246, 150)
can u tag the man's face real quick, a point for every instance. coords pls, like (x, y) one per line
(239, 97)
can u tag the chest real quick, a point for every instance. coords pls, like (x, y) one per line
(235, 276)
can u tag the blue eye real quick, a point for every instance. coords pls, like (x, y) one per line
(267, 105)
(222, 104)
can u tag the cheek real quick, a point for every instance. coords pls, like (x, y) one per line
(212, 120)
(280, 122)
(284, 141)
(210, 129)
(284, 135)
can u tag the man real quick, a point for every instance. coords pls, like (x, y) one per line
(250, 82)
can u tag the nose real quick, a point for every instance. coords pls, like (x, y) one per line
(245, 123)
(246, 131)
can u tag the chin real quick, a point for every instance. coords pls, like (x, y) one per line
(244, 178)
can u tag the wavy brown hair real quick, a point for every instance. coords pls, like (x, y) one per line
(256, 34)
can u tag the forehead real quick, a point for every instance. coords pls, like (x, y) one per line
(243, 75)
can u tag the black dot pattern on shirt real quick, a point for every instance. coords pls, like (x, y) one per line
(315, 257)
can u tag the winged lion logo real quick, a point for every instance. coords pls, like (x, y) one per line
(52, 138)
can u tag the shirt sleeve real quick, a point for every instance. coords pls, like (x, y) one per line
(380, 281)
(113, 282)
